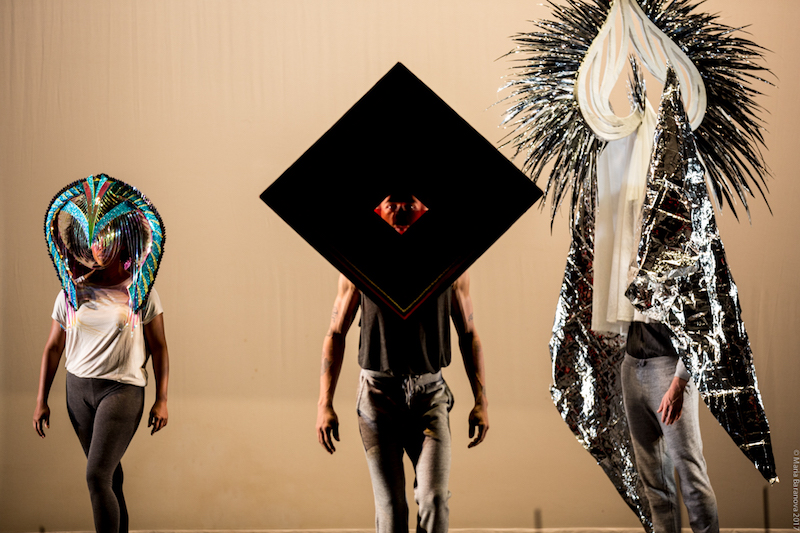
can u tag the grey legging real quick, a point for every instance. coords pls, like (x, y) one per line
(105, 415)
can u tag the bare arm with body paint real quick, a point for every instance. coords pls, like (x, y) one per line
(472, 353)
(344, 311)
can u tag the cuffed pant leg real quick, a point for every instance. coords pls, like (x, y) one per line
(640, 382)
(685, 447)
(381, 423)
(431, 453)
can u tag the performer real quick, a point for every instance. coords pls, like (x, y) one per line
(661, 404)
(403, 401)
(571, 148)
(105, 336)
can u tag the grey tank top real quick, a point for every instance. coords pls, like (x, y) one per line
(418, 345)
(647, 340)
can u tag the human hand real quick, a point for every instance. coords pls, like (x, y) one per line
(158, 416)
(41, 418)
(478, 419)
(672, 403)
(327, 427)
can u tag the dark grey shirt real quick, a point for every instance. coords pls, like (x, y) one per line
(418, 345)
(652, 339)
(646, 340)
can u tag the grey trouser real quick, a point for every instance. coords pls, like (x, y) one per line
(407, 414)
(105, 414)
(660, 448)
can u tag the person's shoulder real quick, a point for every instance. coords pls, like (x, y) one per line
(345, 285)
(61, 299)
(60, 307)
(152, 306)
(154, 297)
(462, 282)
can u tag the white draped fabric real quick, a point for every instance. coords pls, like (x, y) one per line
(621, 184)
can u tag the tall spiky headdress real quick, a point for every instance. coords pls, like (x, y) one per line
(548, 124)
(101, 217)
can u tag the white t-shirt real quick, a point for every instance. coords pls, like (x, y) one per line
(99, 341)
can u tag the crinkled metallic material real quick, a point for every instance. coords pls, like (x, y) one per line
(548, 131)
(547, 126)
(684, 281)
(546, 122)
(103, 213)
(586, 389)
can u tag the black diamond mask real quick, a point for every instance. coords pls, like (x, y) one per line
(401, 139)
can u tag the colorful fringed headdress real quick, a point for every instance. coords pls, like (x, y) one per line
(109, 217)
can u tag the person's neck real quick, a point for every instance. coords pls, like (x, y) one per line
(109, 276)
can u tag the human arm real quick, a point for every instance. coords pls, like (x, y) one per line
(157, 345)
(672, 402)
(342, 316)
(472, 353)
(51, 356)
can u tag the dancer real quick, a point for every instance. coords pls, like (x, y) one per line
(403, 400)
(661, 404)
(106, 242)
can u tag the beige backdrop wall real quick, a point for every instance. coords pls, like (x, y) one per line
(202, 104)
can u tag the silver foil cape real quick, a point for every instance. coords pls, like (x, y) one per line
(684, 281)
(586, 389)
(546, 128)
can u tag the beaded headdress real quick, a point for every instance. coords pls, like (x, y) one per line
(96, 218)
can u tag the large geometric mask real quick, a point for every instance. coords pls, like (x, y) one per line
(401, 144)
(98, 218)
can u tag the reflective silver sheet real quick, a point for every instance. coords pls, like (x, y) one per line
(684, 281)
(548, 133)
(586, 389)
